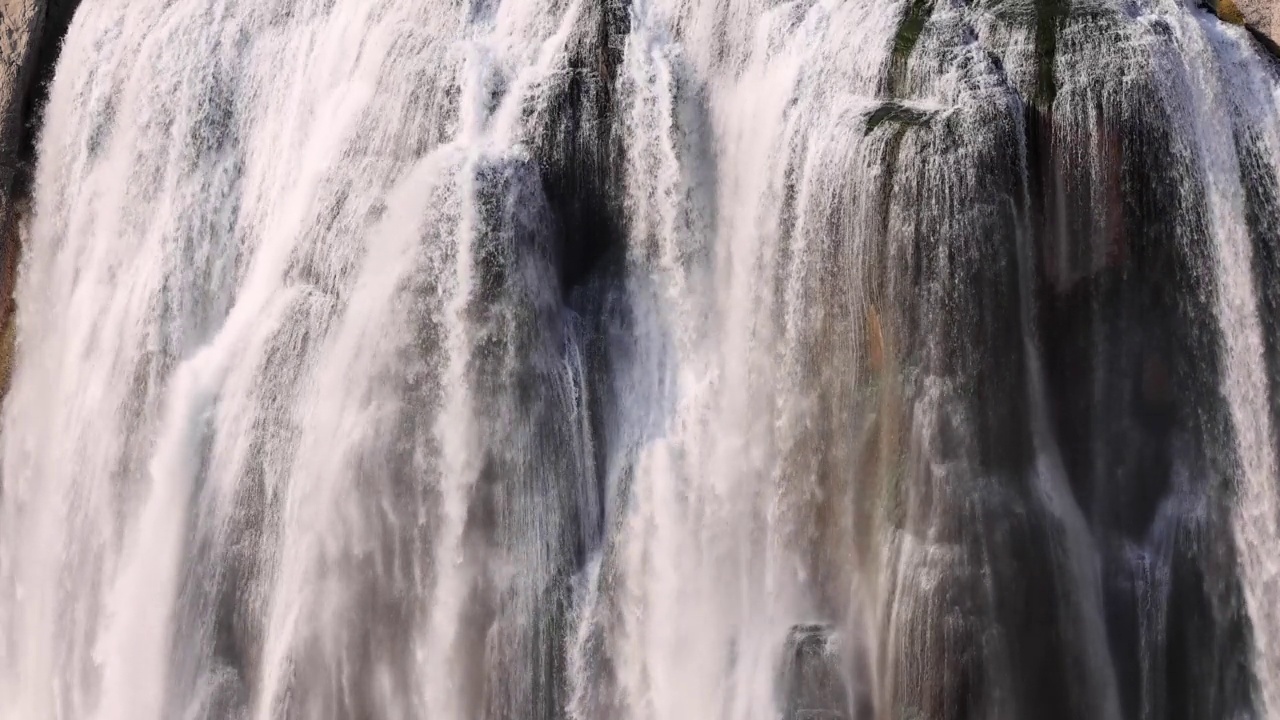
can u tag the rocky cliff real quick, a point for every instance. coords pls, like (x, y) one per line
(30, 36)
(31, 33)
(19, 22)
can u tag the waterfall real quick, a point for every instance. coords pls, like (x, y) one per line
(647, 360)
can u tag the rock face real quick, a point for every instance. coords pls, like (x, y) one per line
(31, 33)
(1262, 15)
(20, 23)
(30, 37)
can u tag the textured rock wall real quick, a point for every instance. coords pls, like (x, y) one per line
(1262, 15)
(20, 25)
(20, 22)
(31, 34)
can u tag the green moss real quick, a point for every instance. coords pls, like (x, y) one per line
(904, 43)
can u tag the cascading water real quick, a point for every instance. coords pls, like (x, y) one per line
(605, 359)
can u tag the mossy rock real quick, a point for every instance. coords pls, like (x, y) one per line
(904, 42)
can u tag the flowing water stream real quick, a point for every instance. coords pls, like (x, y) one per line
(647, 360)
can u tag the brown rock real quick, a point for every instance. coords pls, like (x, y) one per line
(10, 240)
(1228, 11)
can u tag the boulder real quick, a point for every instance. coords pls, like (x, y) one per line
(1261, 15)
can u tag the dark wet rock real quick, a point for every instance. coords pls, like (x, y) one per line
(30, 37)
(31, 34)
(811, 682)
(579, 147)
(896, 112)
(1132, 357)
(20, 21)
